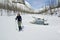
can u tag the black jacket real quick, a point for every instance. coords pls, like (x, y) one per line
(19, 18)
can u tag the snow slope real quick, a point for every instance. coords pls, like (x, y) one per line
(8, 27)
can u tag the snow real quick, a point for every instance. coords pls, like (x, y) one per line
(8, 27)
(28, 4)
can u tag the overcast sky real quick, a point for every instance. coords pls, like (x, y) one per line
(36, 4)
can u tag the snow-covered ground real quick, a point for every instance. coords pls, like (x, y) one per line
(8, 28)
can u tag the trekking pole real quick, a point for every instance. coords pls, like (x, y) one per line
(22, 25)
(16, 25)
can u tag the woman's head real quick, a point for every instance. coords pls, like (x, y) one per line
(18, 14)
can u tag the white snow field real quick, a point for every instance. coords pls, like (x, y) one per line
(8, 28)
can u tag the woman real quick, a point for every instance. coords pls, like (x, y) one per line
(19, 20)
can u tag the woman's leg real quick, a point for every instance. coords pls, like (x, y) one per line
(19, 25)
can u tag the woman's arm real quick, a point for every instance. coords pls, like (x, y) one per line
(16, 18)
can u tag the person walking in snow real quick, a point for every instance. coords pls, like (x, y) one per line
(19, 20)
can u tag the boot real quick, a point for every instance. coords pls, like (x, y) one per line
(20, 28)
